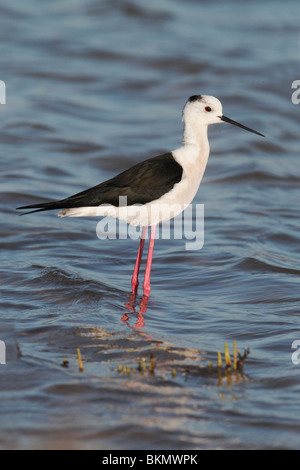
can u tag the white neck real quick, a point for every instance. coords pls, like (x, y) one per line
(195, 134)
(195, 150)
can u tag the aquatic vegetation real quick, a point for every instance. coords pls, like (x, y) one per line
(230, 368)
(226, 368)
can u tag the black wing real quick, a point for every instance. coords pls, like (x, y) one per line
(142, 183)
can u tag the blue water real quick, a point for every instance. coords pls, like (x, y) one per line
(92, 88)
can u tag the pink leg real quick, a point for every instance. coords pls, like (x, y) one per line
(147, 287)
(134, 280)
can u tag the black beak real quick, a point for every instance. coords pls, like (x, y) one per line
(226, 119)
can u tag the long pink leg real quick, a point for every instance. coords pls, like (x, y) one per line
(134, 280)
(147, 287)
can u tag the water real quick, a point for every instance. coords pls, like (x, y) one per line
(92, 88)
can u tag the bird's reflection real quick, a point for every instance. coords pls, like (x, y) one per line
(135, 310)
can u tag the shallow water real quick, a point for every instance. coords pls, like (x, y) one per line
(93, 88)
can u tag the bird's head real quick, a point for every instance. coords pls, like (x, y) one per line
(208, 110)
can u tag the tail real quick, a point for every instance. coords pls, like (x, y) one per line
(46, 206)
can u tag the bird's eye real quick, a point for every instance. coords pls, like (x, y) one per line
(207, 108)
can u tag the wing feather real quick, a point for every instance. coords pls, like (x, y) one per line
(140, 184)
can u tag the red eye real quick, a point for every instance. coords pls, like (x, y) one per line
(207, 108)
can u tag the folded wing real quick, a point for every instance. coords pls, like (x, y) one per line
(145, 182)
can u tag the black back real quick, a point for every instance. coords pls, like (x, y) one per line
(142, 183)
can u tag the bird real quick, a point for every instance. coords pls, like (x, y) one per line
(153, 190)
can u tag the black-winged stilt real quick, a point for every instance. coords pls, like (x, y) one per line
(162, 186)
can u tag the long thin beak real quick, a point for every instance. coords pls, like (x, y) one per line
(226, 119)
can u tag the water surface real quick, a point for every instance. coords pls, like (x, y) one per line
(92, 88)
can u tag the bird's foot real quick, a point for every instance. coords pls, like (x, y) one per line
(134, 285)
(147, 289)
